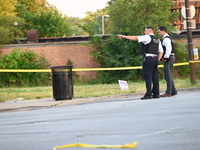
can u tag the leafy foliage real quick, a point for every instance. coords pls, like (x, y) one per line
(23, 60)
(20, 11)
(7, 18)
(131, 16)
(120, 53)
(74, 29)
(47, 19)
(181, 56)
(50, 23)
(92, 23)
(7, 7)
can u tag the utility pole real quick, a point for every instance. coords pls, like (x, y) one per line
(190, 42)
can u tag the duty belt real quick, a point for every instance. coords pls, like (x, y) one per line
(150, 55)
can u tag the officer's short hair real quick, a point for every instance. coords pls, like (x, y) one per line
(163, 28)
(149, 27)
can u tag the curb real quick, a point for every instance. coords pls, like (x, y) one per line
(27, 105)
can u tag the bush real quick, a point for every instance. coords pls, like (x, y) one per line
(118, 53)
(23, 60)
(181, 56)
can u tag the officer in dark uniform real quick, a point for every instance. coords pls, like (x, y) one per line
(152, 52)
(168, 59)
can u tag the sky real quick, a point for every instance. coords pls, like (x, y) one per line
(77, 8)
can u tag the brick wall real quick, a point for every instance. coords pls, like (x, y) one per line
(58, 55)
(184, 42)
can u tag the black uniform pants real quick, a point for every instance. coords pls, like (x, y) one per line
(150, 74)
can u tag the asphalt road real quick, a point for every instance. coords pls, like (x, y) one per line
(159, 124)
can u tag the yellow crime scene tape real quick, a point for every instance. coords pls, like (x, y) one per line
(133, 145)
(89, 69)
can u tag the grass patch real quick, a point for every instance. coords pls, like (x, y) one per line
(26, 93)
(85, 91)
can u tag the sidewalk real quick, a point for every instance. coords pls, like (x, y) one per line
(22, 105)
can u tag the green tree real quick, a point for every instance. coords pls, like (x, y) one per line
(95, 20)
(33, 5)
(92, 23)
(7, 18)
(131, 16)
(25, 9)
(50, 23)
(38, 14)
(74, 29)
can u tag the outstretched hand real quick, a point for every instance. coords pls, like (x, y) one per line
(121, 36)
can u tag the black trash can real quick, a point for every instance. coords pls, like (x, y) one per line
(62, 82)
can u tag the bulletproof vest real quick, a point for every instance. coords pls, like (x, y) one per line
(152, 47)
(172, 43)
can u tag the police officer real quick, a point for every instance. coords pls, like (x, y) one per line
(168, 59)
(152, 51)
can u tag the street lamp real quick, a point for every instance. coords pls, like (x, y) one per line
(15, 32)
(103, 23)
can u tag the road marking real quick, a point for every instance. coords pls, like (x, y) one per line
(160, 132)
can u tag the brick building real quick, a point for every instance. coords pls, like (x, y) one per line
(178, 4)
